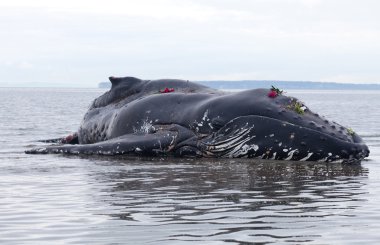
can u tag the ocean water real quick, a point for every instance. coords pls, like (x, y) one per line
(57, 199)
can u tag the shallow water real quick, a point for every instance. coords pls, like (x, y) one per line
(55, 199)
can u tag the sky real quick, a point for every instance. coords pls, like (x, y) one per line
(80, 43)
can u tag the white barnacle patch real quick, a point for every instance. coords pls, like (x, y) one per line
(204, 120)
(41, 150)
(274, 156)
(271, 135)
(171, 144)
(280, 144)
(337, 161)
(245, 148)
(137, 149)
(146, 127)
(285, 150)
(323, 159)
(290, 154)
(307, 157)
(173, 139)
(205, 116)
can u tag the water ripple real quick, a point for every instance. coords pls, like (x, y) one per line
(55, 199)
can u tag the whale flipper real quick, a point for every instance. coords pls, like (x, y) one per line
(165, 139)
(140, 144)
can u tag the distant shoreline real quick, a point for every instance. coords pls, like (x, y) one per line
(224, 85)
(293, 85)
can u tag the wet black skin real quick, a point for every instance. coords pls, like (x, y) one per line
(134, 117)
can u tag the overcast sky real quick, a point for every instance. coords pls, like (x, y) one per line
(81, 43)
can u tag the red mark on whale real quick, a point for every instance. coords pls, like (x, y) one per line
(167, 90)
(272, 94)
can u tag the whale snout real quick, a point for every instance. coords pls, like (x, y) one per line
(268, 138)
(360, 152)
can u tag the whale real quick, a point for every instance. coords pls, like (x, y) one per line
(180, 118)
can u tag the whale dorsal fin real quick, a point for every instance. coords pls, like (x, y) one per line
(114, 80)
(117, 80)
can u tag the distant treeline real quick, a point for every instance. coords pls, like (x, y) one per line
(250, 84)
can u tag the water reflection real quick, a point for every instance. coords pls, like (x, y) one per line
(231, 200)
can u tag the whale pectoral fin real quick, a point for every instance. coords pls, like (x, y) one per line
(164, 140)
(144, 144)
